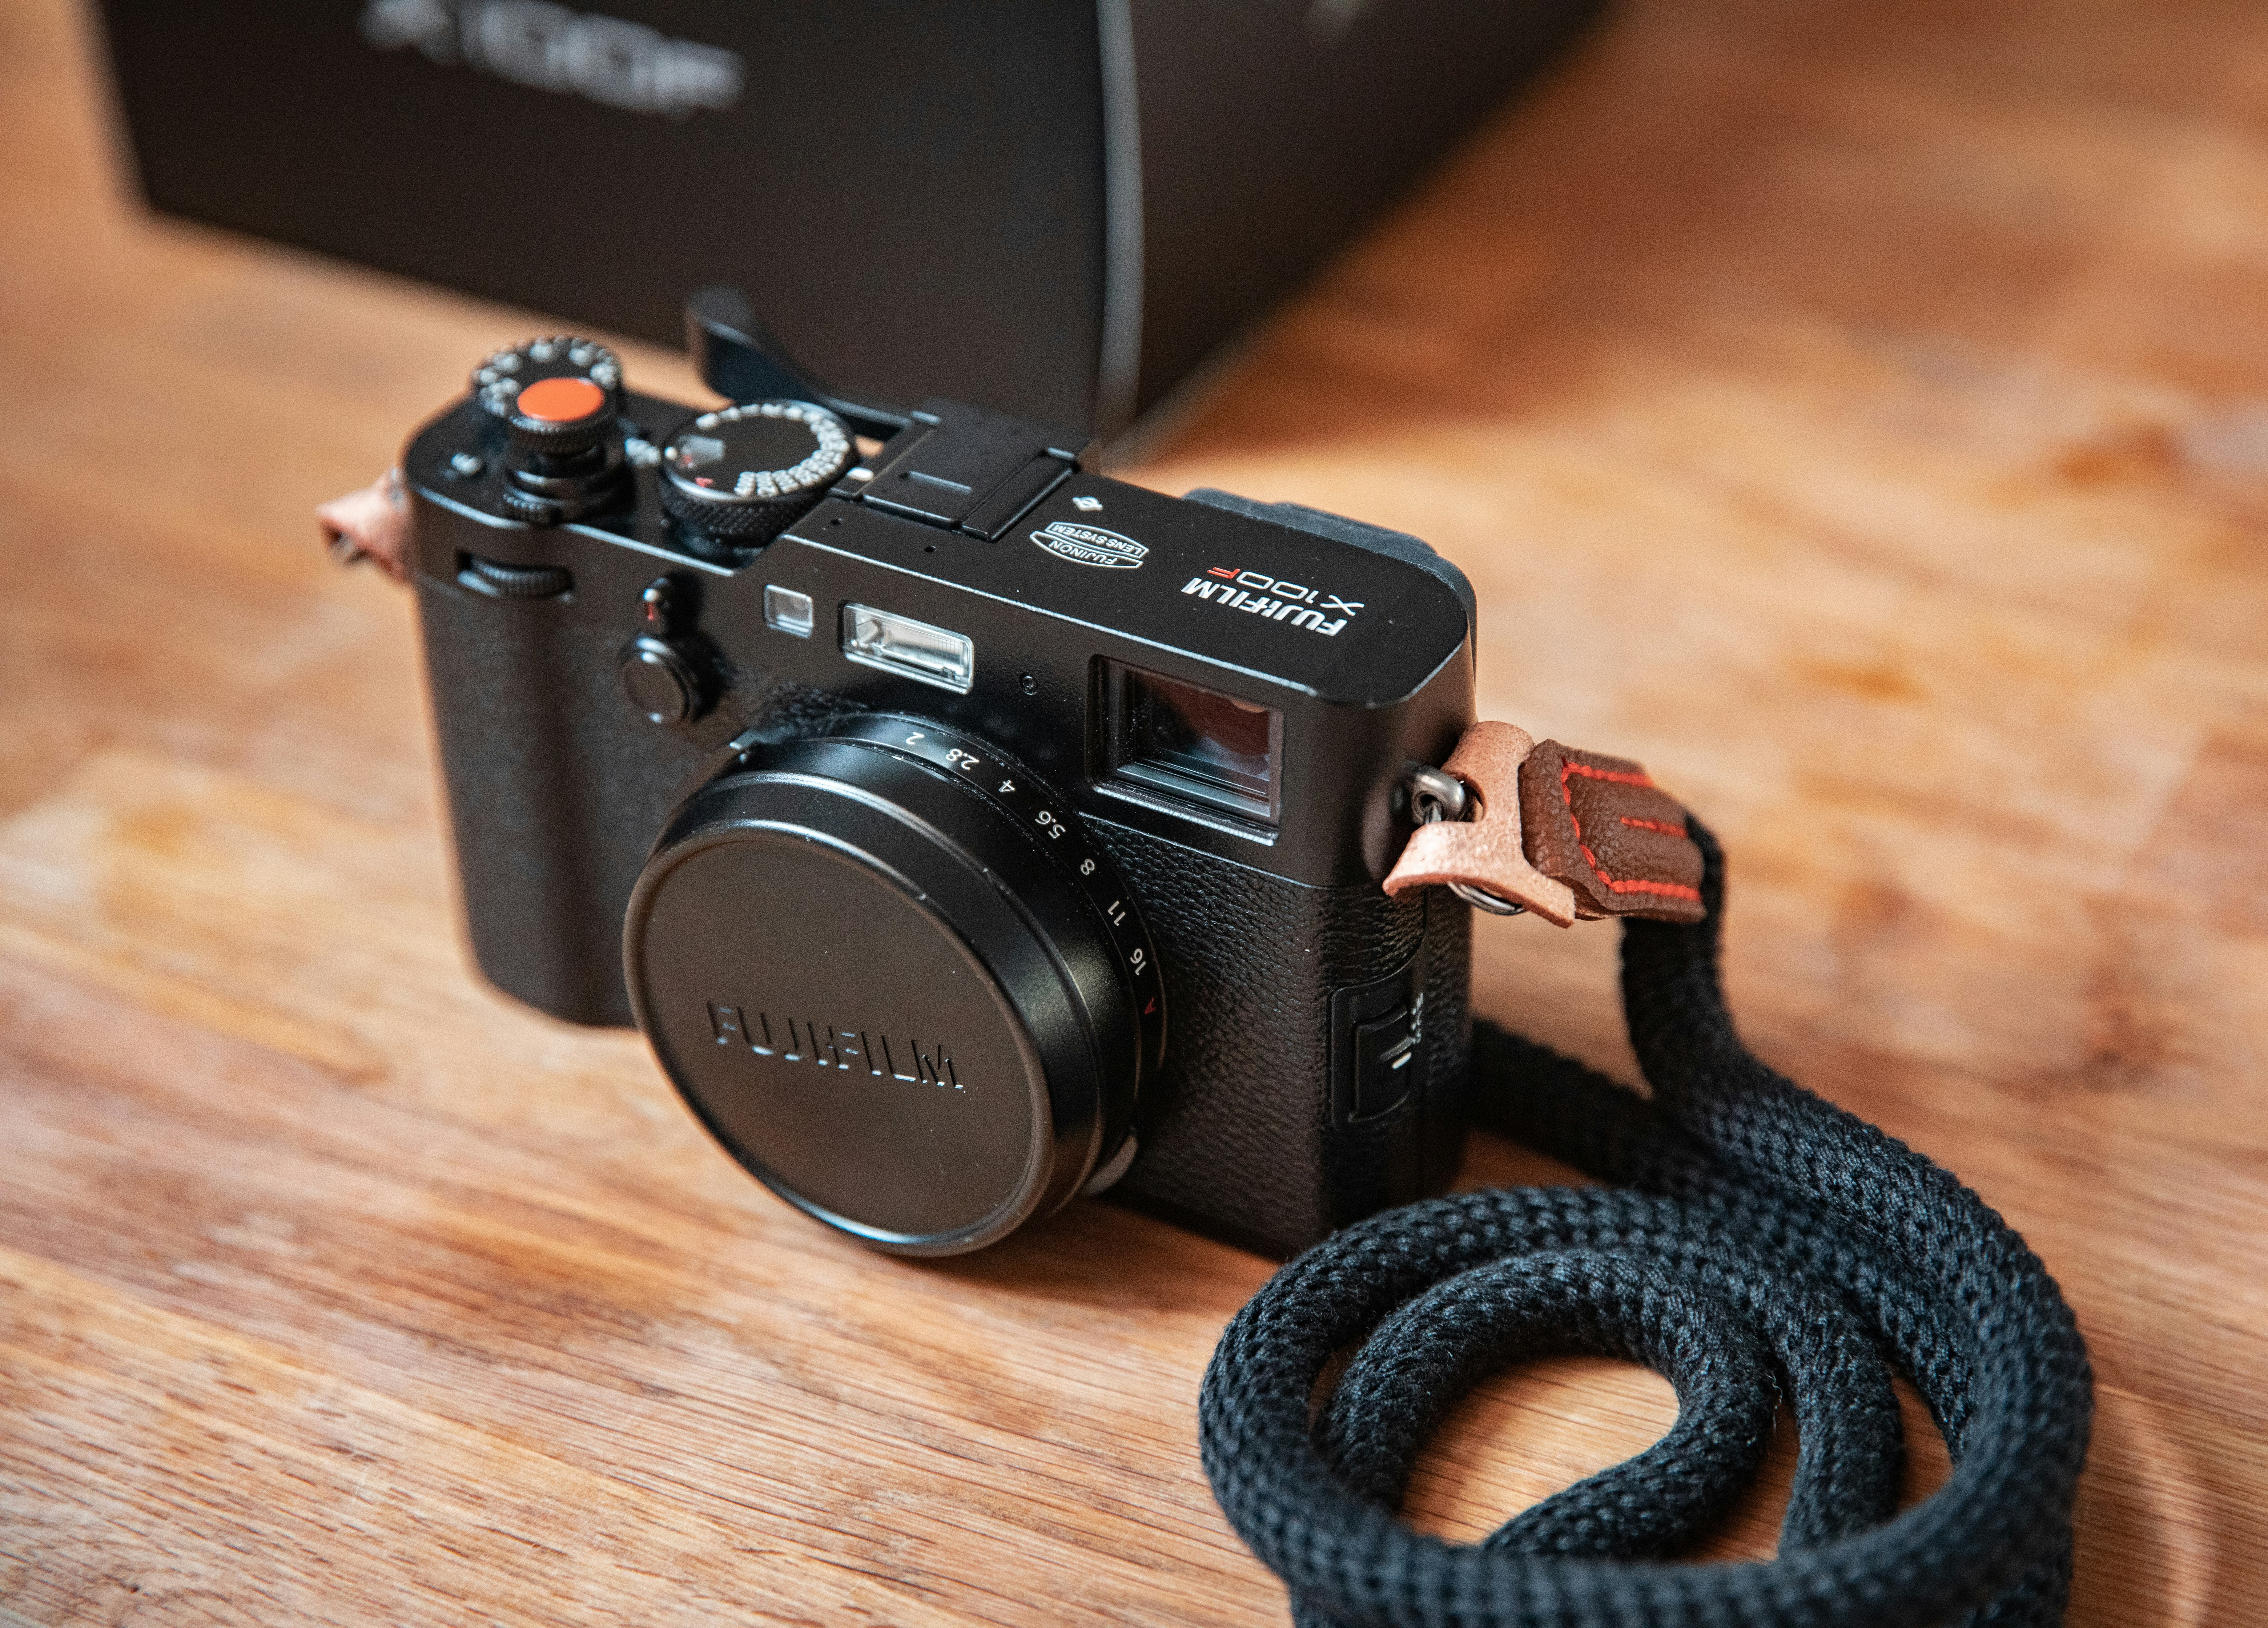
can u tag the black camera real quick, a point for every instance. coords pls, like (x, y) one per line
(966, 830)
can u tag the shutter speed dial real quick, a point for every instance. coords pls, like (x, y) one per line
(742, 475)
(556, 396)
(557, 399)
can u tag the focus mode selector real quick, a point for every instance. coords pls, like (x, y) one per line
(661, 670)
(1377, 1045)
(742, 475)
(1384, 1049)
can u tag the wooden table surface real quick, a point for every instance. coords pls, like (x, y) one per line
(1860, 414)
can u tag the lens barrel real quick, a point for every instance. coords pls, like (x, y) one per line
(898, 982)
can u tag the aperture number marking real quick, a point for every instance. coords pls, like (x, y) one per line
(1098, 877)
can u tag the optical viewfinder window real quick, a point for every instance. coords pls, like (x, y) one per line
(895, 644)
(1197, 743)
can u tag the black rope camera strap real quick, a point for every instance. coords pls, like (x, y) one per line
(1760, 1243)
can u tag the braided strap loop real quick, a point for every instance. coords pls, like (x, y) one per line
(1752, 1218)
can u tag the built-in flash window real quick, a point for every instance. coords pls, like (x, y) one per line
(938, 656)
(787, 610)
(1198, 743)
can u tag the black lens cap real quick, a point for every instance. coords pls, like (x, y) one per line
(884, 998)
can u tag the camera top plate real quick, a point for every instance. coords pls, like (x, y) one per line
(1035, 584)
(1343, 625)
(1339, 622)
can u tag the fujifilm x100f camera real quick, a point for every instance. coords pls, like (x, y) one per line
(965, 830)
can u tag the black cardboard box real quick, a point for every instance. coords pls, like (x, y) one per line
(1050, 207)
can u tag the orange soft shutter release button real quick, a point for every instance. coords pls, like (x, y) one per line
(560, 401)
(557, 398)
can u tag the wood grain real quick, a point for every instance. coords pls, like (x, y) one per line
(1860, 414)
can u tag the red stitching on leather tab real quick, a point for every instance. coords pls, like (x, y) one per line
(1670, 890)
(1620, 776)
(1569, 766)
(1663, 826)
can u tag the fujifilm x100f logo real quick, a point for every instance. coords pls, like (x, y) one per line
(533, 42)
(1278, 598)
(799, 1040)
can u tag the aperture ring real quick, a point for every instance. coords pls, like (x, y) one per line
(1055, 830)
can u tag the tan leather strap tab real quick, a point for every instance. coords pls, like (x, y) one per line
(373, 524)
(1568, 834)
(1484, 850)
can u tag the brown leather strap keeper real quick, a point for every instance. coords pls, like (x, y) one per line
(1567, 834)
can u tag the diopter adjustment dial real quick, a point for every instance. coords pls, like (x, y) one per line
(744, 474)
(556, 396)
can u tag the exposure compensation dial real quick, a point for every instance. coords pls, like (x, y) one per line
(742, 475)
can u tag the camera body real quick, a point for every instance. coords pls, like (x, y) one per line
(965, 828)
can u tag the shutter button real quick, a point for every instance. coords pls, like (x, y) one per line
(560, 415)
(557, 399)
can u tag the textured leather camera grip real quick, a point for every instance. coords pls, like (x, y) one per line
(1571, 835)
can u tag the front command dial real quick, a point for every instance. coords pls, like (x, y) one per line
(742, 475)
